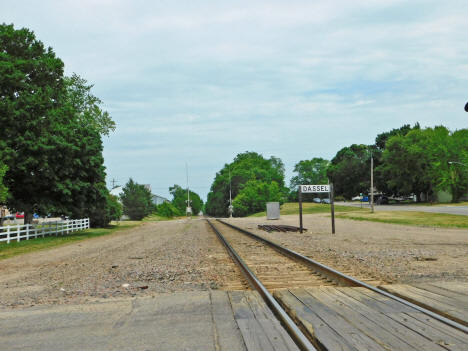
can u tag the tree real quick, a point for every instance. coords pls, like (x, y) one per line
(136, 200)
(179, 199)
(30, 86)
(51, 132)
(3, 188)
(247, 166)
(114, 207)
(349, 170)
(312, 171)
(254, 196)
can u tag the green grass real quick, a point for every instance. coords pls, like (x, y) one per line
(290, 208)
(17, 248)
(410, 218)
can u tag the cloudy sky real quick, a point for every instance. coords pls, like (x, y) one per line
(201, 81)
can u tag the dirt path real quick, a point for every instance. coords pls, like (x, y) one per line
(155, 257)
(393, 253)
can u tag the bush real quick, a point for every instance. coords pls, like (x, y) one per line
(339, 198)
(167, 210)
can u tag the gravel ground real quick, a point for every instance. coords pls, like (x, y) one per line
(155, 257)
(185, 255)
(391, 253)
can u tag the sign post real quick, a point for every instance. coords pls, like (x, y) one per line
(320, 188)
(332, 207)
(300, 209)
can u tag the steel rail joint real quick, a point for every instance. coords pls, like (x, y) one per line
(296, 334)
(352, 281)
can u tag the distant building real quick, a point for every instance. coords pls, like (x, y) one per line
(158, 200)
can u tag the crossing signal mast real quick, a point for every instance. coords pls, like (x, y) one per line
(188, 210)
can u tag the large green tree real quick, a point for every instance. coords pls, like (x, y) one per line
(349, 170)
(312, 171)
(3, 188)
(51, 132)
(179, 199)
(247, 166)
(136, 200)
(30, 86)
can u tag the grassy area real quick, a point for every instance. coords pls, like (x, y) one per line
(410, 218)
(310, 208)
(17, 248)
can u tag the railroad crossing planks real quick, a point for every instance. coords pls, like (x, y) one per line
(204, 320)
(350, 318)
(446, 298)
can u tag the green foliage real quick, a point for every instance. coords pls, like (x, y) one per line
(51, 133)
(418, 162)
(312, 171)
(3, 188)
(30, 86)
(349, 170)
(168, 210)
(136, 200)
(115, 209)
(254, 196)
(179, 199)
(246, 167)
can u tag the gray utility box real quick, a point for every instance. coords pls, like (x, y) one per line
(273, 210)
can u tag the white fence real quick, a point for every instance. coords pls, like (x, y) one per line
(31, 231)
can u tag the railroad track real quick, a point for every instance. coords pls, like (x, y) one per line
(270, 267)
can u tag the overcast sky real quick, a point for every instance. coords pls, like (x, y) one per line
(201, 81)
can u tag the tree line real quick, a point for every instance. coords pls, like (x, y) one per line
(409, 160)
(51, 135)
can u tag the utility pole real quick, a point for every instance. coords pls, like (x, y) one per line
(189, 208)
(113, 183)
(372, 182)
(230, 209)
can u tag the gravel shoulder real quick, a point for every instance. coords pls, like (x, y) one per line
(153, 258)
(387, 252)
(185, 255)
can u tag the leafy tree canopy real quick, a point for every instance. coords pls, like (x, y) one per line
(180, 199)
(247, 166)
(51, 132)
(312, 171)
(136, 200)
(349, 170)
(3, 188)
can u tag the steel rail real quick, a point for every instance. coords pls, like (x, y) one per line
(348, 279)
(296, 334)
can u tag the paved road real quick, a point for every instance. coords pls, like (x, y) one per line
(457, 210)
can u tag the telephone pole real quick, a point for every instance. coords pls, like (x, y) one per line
(189, 208)
(372, 182)
(230, 208)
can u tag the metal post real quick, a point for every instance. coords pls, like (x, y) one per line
(372, 183)
(332, 207)
(300, 209)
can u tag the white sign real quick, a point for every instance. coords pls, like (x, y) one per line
(325, 188)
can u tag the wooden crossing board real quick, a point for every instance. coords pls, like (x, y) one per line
(259, 327)
(449, 299)
(345, 318)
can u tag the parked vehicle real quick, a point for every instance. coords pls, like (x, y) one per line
(382, 200)
(19, 215)
(325, 201)
(9, 217)
(317, 200)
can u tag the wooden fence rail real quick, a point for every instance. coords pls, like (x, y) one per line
(31, 231)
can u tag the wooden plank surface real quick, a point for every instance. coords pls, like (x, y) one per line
(345, 318)
(448, 303)
(259, 327)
